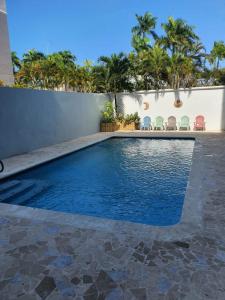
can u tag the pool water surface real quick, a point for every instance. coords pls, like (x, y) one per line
(131, 179)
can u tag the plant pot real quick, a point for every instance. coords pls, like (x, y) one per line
(137, 126)
(125, 127)
(107, 127)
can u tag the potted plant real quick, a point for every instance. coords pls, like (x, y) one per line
(132, 121)
(108, 123)
(129, 122)
(119, 121)
(136, 120)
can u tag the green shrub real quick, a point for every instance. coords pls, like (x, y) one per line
(132, 118)
(19, 85)
(120, 117)
(108, 115)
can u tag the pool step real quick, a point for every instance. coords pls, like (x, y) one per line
(8, 185)
(16, 191)
(21, 191)
(36, 190)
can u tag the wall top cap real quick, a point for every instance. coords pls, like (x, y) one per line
(216, 87)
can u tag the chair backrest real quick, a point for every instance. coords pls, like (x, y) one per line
(199, 120)
(185, 121)
(147, 121)
(159, 121)
(172, 121)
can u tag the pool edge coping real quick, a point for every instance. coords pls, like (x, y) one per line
(191, 220)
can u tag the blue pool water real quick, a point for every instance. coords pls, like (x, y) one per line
(132, 179)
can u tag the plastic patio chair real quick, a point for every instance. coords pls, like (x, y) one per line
(159, 123)
(199, 123)
(184, 123)
(171, 123)
(146, 125)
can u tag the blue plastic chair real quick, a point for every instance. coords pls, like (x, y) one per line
(146, 125)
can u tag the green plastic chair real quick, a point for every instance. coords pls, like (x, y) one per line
(184, 123)
(159, 123)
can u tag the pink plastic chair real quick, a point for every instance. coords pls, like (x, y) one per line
(199, 123)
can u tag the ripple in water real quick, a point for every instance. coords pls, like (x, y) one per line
(132, 179)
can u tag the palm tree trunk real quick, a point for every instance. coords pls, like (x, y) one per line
(218, 64)
(116, 104)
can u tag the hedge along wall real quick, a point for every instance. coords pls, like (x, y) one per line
(30, 119)
(207, 101)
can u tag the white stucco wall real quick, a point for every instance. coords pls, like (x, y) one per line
(209, 102)
(30, 119)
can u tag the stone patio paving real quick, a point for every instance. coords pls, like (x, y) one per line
(42, 259)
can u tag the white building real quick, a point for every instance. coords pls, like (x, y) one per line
(6, 70)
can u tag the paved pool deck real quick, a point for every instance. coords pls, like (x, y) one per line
(52, 255)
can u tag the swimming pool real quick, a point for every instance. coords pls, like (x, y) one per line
(132, 179)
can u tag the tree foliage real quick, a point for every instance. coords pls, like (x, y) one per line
(175, 59)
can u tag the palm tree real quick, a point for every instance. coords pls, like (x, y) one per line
(29, 75)
(16, 62)
(198, 53)
(153, 64)
(142, 31)
(32, 55)
(179, 36)
(181, 71)
(116, 73)
(83, 80)
(100, 79)
(67, 57)
(217, 54)
(186, 51)
(65, 67)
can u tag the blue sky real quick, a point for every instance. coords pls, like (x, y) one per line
(90, 28)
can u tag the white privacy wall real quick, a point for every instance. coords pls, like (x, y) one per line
(30, 119)
(209, 102)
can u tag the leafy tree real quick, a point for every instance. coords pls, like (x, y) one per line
(176, 59)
